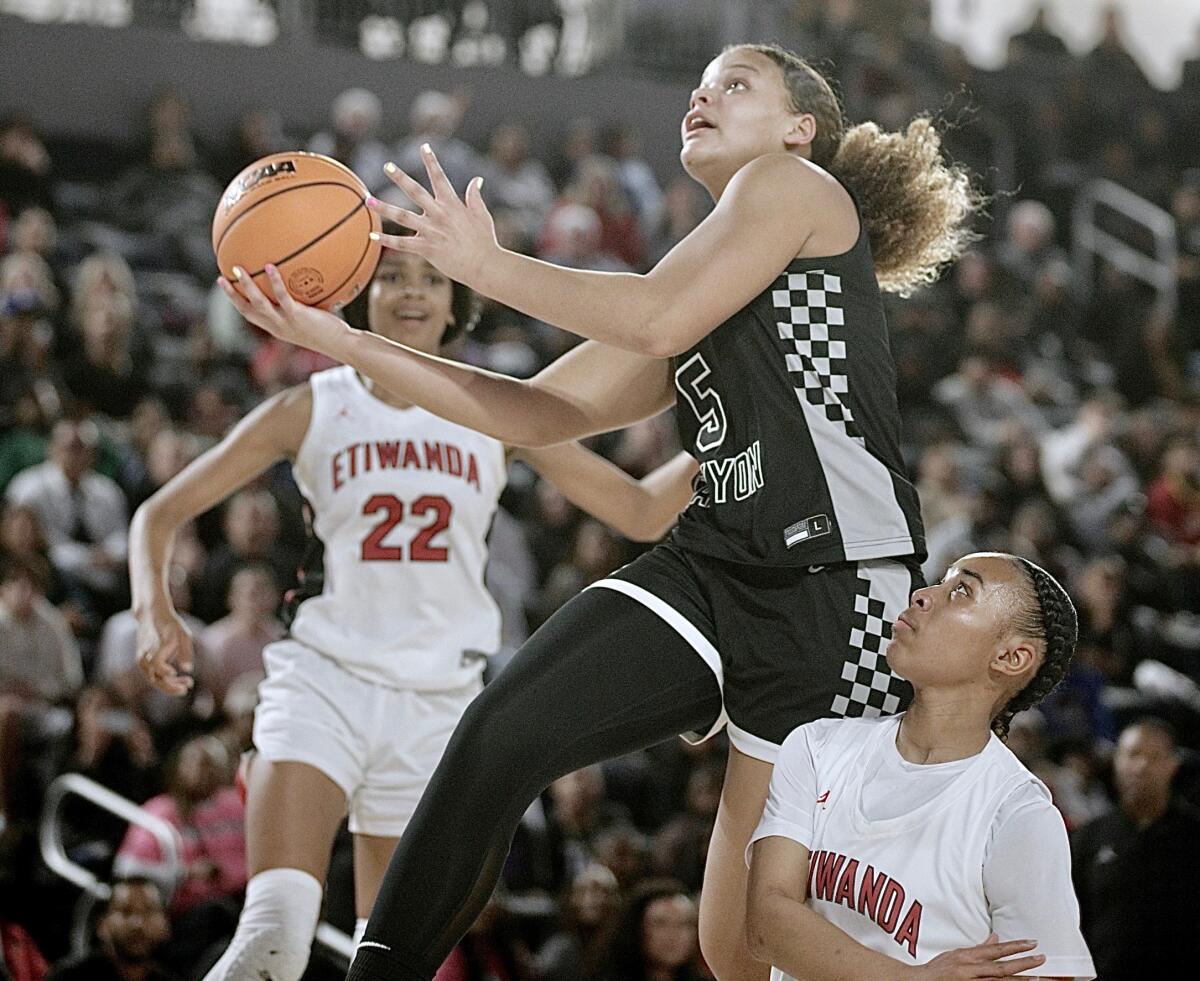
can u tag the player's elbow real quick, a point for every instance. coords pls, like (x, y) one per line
(758, 937)
(767, 914)
(665, 336)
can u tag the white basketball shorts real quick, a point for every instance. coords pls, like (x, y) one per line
(379, 744)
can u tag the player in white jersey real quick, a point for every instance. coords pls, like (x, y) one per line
(905, 846)
(361, 698)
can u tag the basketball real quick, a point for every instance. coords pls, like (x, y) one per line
(306, 214)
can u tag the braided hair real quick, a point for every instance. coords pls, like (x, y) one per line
(1051, 619)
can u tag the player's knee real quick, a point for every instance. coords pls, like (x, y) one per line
(492, 734)
(275, 931)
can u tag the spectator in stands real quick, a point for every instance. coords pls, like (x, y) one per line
(595, 553)
(169, 200)
(1107, 482)
(573, 236)
(251, 528)
(1135, 867)
(434, 118)
(21, 538)
(579, 812)
(585, 908)
(110, 743)
(202, 804)
(681, 846)
(38, 655)
(101, 372)
(636, 177)
(25, 172)
(20, 958)
(131, 931)
(233, 645)
(82, 512)
(27, 280)
(353, 138)
(491, 950)
(597, 185)
(1029, 244)
(682, 210)
(984, 403)
(168, 452)
(654, 939)
(258, 133)
(516, 182)
(1174, 497)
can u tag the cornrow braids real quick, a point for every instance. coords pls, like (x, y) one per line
(1052, 619)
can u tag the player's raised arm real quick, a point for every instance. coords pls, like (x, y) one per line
(760, 222)
(272, 431)
(641, 510)
(788, 934)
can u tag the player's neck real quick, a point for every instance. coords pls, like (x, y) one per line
(384, 396)
(940, 731)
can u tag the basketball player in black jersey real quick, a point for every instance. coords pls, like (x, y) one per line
(770, 603)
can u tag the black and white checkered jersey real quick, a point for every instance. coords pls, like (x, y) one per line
(790, 409)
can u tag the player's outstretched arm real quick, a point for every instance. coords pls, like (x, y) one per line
(271, 432)
(594, 388)
(641, 510)
(764, 217)
(789, 935)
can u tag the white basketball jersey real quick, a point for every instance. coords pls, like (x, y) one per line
(402, 502)
(911, 885)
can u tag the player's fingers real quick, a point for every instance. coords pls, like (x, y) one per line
(401, 216)
(1006, 969)
(410, 186)
(254, 295)
(237, 299)
(400, 243)
(279, 292)
(443, 190)
(184, 657)
(995, 951)
(474, 195)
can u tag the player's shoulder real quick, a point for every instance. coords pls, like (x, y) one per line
(832, 736)
(784, 181)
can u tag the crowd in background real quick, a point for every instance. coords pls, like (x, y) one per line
(1044, 416)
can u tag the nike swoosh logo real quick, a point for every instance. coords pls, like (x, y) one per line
(814, 569)
(372, 943)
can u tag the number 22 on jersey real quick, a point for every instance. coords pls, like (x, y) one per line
(422, 548)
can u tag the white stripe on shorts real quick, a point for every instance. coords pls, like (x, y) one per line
(687, 630)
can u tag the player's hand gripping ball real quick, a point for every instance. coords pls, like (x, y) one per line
(305, 214)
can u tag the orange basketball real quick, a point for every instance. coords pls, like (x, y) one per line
(306, 214)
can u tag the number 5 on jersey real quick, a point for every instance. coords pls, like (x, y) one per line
(422, 547)
(706, 403)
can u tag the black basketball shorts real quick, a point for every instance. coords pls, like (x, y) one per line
(787, 645)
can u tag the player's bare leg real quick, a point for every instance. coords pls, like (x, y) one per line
(723, 898)
(292, 814)
(371, 856)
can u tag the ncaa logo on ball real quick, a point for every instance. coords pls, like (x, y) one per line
(306, 282)
(251, 180)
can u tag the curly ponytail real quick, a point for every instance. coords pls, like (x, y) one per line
(1050, 618)
(914, 203)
